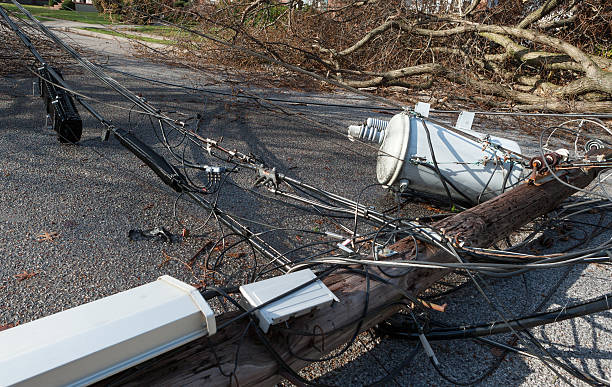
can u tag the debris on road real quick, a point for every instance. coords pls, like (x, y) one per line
(379, 260)
(157, 233)
(47, 237)
(25, 275)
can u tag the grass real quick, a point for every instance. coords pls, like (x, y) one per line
(157, 30)
(22, 16)
(165, 31)
(129, 36)
(171, 32)
(45, 13)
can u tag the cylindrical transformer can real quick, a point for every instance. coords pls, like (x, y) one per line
(472, 169)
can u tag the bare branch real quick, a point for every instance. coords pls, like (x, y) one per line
(539, 13)
(529, 99)
(548, 60)
(363, 41)
(471, 8)
(248, 9)
(588, 65)
(561, 22)
(390, 77)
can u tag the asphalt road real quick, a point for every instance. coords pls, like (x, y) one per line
(93, 193)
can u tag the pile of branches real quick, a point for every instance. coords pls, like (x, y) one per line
(551, 55)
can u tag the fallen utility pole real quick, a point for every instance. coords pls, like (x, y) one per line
(234, 357)
(212, 361)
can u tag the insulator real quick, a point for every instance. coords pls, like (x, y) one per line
(365, 133)
(563, 153)
(373, 130)
(377, 123)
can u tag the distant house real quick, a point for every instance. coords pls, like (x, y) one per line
(84, 6)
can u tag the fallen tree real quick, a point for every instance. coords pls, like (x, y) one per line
(551, 55)
(236, 355)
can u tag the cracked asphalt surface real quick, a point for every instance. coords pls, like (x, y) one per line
(93, 193)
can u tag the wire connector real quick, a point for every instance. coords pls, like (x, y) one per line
(267, 177)
(214, 173)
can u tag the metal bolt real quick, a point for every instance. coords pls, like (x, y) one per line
(403, 185)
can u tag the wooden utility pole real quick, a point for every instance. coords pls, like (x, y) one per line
(481, 226)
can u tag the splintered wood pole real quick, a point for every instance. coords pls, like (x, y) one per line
(239, 353)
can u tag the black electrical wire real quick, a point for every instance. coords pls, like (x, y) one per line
(497, 163)
(227, 220)
(435, 164)
(396, 370)
(596, 305)
(552, 172)
(357, 328)
(251, 97)
(447, 181)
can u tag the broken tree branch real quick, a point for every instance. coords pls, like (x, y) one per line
(539, 13)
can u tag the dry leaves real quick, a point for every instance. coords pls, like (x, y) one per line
(25, 275)
(5, 327)
(47, 236)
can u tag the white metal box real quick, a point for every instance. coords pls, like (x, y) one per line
(298, 303)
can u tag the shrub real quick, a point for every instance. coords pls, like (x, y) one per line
(98, 5)
(142, 11)
(112, 7)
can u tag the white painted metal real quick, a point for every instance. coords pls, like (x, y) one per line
(393, 149)
(83, 345)
(465, 120)
(298, 303)
(470, 165)
(422, 108)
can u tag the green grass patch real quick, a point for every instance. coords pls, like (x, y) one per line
(50, 13)
(128, 36)
(176, 33)
(22, 16)
(165, 31)
(158, 30)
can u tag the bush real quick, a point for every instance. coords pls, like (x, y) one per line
(112, 7)
(53, 2)
(98, 5)
(68, 5)
(142, 11)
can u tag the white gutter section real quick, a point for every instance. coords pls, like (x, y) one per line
(86, 344)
